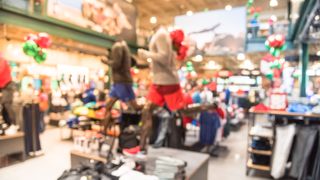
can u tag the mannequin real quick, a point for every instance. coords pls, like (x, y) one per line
(165, 88)
(7, 89)
(121, 89)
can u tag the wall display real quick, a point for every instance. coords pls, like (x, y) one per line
(112, 17)
(215, 32)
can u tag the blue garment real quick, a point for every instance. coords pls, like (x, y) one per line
(196, 98)
(209, 125)
(228, 96)
(89, 96)
(298, 108)
(122, 91)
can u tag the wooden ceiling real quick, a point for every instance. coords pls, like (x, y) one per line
(166, 10)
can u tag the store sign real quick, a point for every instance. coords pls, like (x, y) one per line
(112, 17)
(216, 32)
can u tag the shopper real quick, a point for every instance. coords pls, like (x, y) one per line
(165, 86)
(121, 89)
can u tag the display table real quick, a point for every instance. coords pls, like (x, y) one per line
(197, 163)
(12, 144)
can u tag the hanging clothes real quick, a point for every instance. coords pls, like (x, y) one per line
(284, 136)
(209, 125)
(31, 118)
(306, 138)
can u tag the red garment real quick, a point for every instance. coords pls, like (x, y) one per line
(5, 73)
(188, 99)
(260, 107)
(220, 112)
(170, 94)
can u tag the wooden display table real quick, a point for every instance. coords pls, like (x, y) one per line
(12, 144)
(197, 163)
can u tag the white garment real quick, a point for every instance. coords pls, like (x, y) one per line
(284, 139)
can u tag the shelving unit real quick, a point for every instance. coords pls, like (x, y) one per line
(274, 118)
(251, 151)
(260, 152)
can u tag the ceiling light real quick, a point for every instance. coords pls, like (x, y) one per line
(317, 17)
(273, 3)
(149, 60)
(129, 1)
(228, 7)
(241, 56)
(189, 13)
(211, 65)
(247, 64)
(198, 58)
(318, 53)
(153, 20)
(274, 18)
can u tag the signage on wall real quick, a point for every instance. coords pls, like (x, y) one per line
(216, 32)
(112, 17)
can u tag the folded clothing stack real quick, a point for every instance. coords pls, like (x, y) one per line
(168, 168)
(260, 144)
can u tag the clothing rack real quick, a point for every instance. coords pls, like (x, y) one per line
(274, 118)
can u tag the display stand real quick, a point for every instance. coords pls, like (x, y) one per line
(274, 118)
(12, 144)
(197, 163)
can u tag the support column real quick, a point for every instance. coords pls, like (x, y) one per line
(304, 59)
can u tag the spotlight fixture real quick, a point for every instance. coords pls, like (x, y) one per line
(189, 13)
(228, 7)
(273, 3)
(153, 20)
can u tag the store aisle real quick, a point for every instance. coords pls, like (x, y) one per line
(233, 165)
(57, 158)
(46, 167)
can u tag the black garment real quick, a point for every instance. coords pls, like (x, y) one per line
(316, 166)
(6, 100)
(306, 138)
(261, 144)
(31, 119)
(260, 159)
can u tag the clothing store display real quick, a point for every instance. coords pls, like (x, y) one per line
(171, 95)
(260, 143)
(316, 110)
(284, 139)
(6, 101)
(316, 166)
(260, 159)
(31, 118)
(305, 141)
(5, 72)
(168, 168)
(298, 108)
(163, 58)
(122, 91)
(209, 125)
(261, 131)
(165, 117)
(131, 151)
(260, 107)
(120, 62)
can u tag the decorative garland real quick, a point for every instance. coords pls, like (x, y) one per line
(272, 64)
(35, 46)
